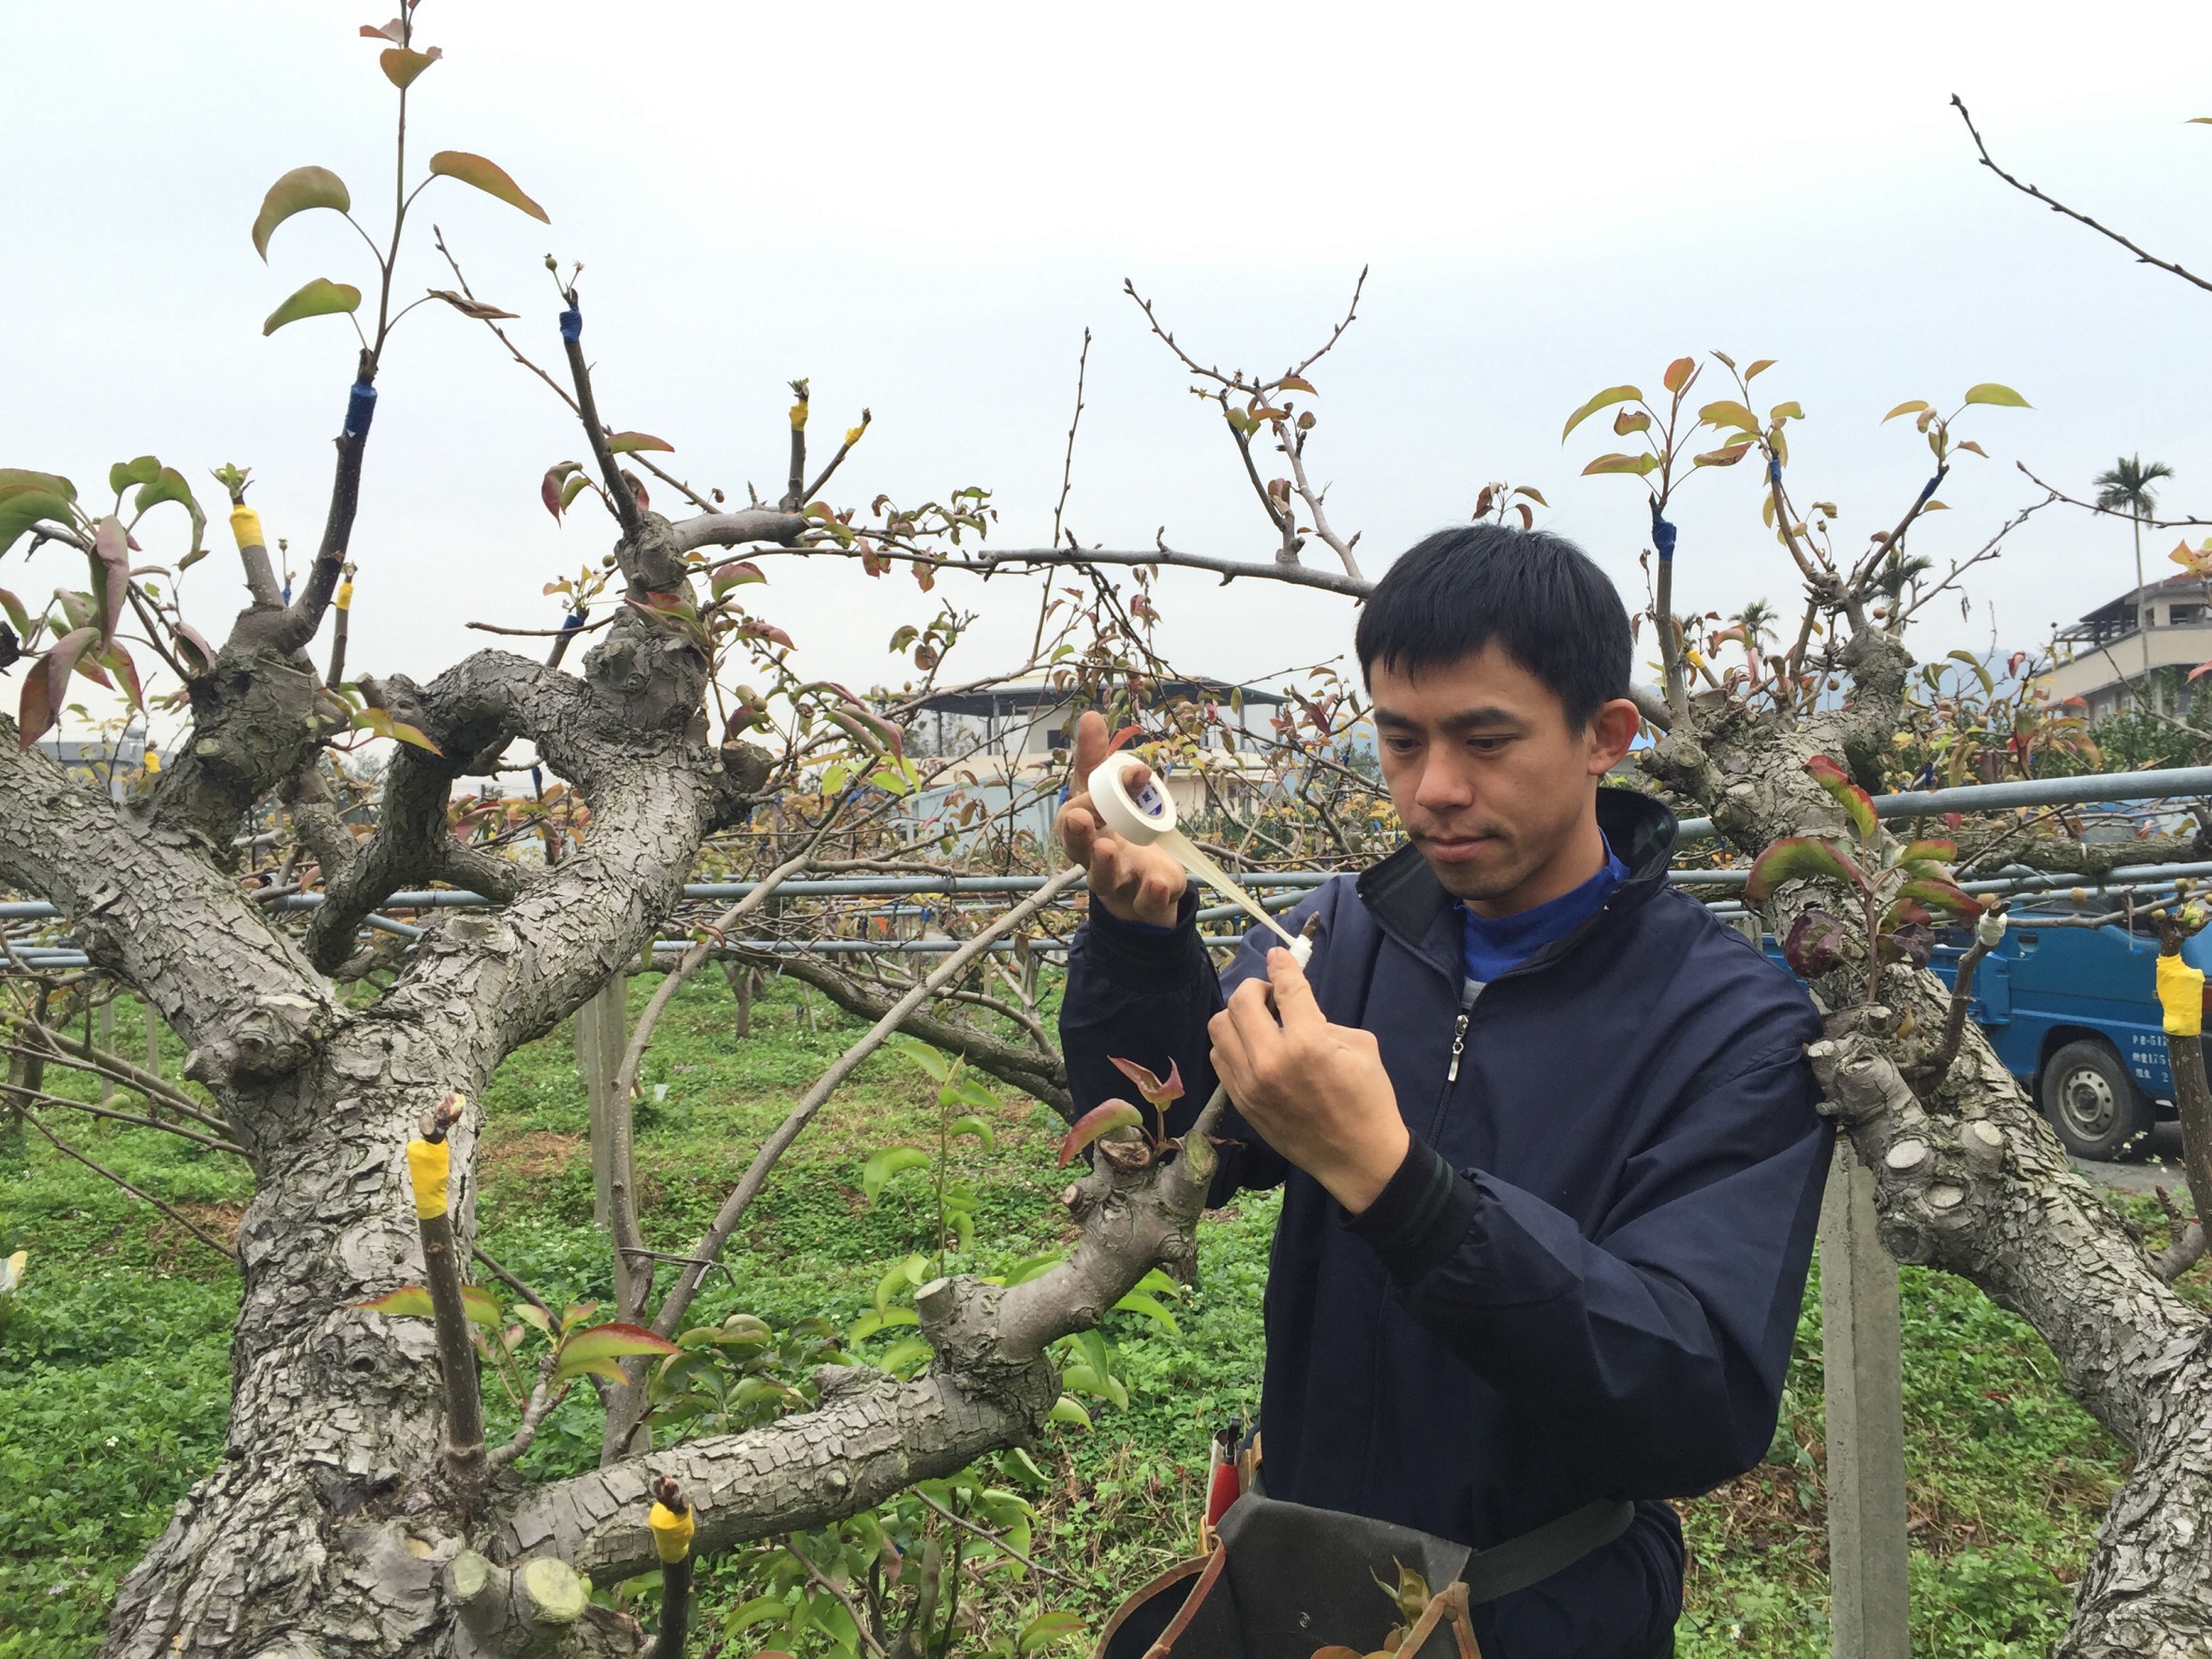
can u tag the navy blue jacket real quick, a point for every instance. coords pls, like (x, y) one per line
(1582, 1283)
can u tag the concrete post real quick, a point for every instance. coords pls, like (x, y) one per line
(153, 1040)
(107, 1044)
(601, 1030)
(1864, 1358)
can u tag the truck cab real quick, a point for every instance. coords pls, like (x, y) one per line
(2071, 1009)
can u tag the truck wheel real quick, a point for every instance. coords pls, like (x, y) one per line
(2093, 1103)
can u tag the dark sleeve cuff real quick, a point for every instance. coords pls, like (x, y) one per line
(1420, 1218)
(1141, 955)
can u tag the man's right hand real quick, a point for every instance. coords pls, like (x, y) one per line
(1135, 883)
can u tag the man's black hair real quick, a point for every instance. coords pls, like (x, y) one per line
(1537, 596)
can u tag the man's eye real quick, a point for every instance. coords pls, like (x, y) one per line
(1488, 745)
(1401, 746)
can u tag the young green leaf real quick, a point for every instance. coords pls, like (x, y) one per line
(972, 1124)
(1911, 407)
(319, 297)
(891, 1161)
(380, 721)
(916, 1052)
(903, 1353)
(597, 1349)
(302, 188)
(1138, 1303)
(487, 176)
(759, 1610)
(168, 484)
(409, 1301)
(1727, 412)
(2004, 397)
(629, 443)
(1798, 857)
(1639, 464)
(1604, 400)
(24, 504)
(403, 65)
(123, 474)
(1065, 1410)
(1113, 1114)
(1055, 1625)
(876, 1319)
(1679, 374)
(479, 1307)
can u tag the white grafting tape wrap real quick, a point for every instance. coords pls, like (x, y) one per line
(1142, 816)
(1145, 816)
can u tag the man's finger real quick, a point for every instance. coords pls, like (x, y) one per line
(1231, 1059)
(1255, 1022)
(1294, 992)
(1090, 749)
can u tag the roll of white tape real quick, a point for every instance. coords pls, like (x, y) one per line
(1142, 815)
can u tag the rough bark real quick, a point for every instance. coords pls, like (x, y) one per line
(1970, 1179)
(871, 1436)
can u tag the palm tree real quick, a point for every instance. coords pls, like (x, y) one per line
(2125, 488)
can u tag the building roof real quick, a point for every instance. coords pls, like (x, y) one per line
(1023, 697)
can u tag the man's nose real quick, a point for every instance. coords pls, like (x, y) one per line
(1442, 785)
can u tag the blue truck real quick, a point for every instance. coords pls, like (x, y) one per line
(2072, 1013)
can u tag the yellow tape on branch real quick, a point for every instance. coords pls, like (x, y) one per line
(429, 1162)
(671, 1533)
(245, 524)
(345, 599)
(2181, 993)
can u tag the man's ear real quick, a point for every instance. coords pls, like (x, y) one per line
(1613, 728)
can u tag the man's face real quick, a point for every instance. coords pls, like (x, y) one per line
(1490, 781)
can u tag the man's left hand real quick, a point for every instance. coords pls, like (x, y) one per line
(1315, 1092)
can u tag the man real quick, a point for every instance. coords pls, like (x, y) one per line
(1546, 1133)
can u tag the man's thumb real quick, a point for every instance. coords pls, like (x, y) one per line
(1293, 992)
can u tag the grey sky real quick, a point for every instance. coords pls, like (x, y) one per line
(921, 208)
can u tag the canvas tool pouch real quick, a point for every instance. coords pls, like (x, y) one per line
(1288, 1580)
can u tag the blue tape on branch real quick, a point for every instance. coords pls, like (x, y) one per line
(575, 621)
(572, 324)
(1662, 534)
(1929, 489)
(537, 781)
(287, 590)
(361, 408)
(1774, 470)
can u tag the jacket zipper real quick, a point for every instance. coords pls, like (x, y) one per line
(1469, 990)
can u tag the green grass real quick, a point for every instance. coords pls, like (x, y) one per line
(114, 1374)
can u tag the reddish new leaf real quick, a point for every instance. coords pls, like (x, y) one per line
(44, 686)
(111, 573)
(597, 1349)
(1796, 858)
(1944, 896)
(1158, 1094)
(550, 491)
(1815, 942)
(1857, 804)
(1113, 1114)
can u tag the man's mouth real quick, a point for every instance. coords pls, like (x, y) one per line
(1459, 849)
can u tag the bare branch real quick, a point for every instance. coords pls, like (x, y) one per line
(62, 1146)
(2059, 207)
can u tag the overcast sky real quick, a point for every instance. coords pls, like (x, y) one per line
(921, 207)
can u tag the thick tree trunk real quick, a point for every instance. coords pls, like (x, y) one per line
(1970, 1179)
(324, 1527)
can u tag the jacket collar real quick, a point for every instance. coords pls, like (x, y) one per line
(1414, 908)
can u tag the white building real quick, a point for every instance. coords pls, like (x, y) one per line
(2139, 647)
